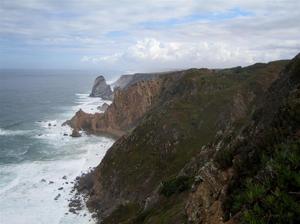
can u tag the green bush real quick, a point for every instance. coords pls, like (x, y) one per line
(224, 158)
(273, 198)
(176, 185)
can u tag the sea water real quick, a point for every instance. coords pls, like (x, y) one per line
(36, 157)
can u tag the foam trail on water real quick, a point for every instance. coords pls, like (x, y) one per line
(30, 188)
(6, 132)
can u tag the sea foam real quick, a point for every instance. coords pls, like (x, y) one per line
(28, 190)
(6, 132)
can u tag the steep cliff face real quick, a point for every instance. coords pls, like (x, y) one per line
(173, 167)
(101, 89)
(122, 81)
(128, 107)
(127, 80)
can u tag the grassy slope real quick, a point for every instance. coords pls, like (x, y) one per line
(266, 186)
(189, 115)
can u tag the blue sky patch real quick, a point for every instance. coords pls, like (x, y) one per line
(198, 17)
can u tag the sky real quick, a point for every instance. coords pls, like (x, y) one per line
(144, 36)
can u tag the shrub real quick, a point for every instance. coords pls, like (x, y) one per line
(275, 197)
(176, 185)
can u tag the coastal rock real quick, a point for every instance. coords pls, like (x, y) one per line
(128, 107)
(101, 89)
(103, 107)
(57, 197)
(75, 133)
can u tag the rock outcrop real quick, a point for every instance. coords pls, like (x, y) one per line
(75, 133)
(101, 89)
(103, 107)
(181, 161)
(128, 107)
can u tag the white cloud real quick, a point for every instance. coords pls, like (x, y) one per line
(115, 33)
(150, 54)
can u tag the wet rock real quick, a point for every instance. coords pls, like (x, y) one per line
(75, 134)
(73, 211)
(57, 197)
(103, 107)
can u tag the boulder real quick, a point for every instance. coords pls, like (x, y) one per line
(75, 133)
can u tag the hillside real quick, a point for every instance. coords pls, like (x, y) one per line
(196, 154)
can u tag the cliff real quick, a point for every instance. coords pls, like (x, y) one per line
(128, 107)
(127, 80)
(191, 155)
(101, 89)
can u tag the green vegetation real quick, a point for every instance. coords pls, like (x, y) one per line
(189, 115)
(268, 188)
(122, 214)
(275, 196)
(176, 185)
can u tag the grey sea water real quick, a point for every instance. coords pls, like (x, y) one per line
(33, 148)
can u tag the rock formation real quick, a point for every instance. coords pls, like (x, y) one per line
(128, 107)
(103, 107)
(101, 89)
(75, 133)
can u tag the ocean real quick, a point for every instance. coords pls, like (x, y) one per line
(38, 163)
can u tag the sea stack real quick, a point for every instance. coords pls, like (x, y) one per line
(101, 89)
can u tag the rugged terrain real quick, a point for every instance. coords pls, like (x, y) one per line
(127, 109)
(215, 146)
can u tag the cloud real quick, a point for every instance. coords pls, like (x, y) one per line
(151, 55)
(182, 33)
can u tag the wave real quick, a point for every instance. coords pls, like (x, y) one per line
(88, 104)
(6, 132)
